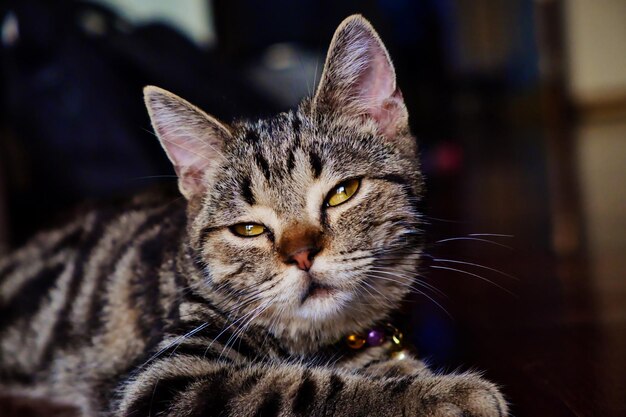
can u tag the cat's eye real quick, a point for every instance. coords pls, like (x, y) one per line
(342, 192)
(248, 229)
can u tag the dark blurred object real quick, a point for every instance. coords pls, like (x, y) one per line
(34, 407)
(72, 75)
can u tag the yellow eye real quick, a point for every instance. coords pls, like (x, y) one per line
(342, 193)
(248, 229)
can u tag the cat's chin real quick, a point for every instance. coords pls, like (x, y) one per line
(315, 290)
(321, 303)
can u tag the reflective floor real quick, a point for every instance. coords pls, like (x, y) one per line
(543, 311)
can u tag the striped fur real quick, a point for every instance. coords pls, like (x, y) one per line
(157, 308)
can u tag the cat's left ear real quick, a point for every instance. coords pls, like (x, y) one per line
(359, 78)
(191, 138)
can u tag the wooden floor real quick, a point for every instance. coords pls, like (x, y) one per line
(550, 327)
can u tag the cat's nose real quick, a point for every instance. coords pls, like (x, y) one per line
(299, 245)
(303, 258)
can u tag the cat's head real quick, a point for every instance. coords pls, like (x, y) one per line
(306, 222)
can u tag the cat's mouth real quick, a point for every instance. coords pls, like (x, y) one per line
(317, 290)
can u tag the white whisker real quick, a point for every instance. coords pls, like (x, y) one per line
(472, 274)
(476, 265)
(473, 239)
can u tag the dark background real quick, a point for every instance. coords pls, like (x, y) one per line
(519, 108)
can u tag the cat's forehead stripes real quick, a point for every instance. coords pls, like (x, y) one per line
(273, 159)
(291, 161)
(263, 165)
(316, 163)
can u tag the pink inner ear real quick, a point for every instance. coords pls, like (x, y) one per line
(183, 156)
(376, 90)
(188, 155)
(390, 114)
(377, 82)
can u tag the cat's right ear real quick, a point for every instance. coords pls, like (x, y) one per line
(359, 79)
(191, 138)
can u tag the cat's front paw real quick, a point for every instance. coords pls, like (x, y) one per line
(464, 395)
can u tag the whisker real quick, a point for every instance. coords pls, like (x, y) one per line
(429, 298)
(476, 265)
(474, 275)
(442, 220)
(410, 287)
(381, 294)
(179, 339)
(411, 279)
(241, 329)
(451, 239)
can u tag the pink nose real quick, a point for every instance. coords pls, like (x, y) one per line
(303, 259)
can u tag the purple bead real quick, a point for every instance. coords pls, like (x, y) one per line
(375, 337)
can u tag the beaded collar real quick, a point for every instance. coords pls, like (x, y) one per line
(378, 336)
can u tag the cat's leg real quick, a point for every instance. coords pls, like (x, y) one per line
(190, 386)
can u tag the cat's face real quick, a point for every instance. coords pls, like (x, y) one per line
(332, 212)
(306, 222)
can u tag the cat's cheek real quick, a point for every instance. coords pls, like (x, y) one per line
(287, 289)
(298, 280)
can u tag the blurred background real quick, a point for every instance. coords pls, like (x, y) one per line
(519, 108)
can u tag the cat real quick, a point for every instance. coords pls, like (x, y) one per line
(293, 234)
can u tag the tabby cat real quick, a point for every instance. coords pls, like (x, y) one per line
(294, 232)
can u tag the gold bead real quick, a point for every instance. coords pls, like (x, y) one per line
(397, 338)
(399, 355)
(355, 341)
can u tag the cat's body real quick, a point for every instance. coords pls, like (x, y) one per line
(294, 232)
(83, 304)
